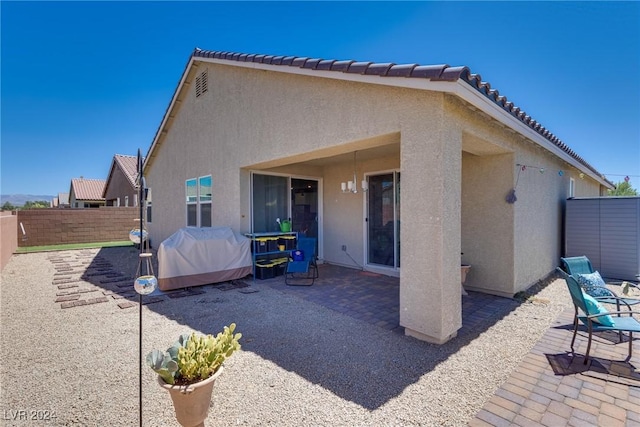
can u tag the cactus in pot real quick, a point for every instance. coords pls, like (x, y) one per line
(188, 370)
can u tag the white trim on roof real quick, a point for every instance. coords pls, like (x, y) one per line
(459, 88)
(478, 100)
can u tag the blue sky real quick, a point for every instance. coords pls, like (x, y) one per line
(82, 81)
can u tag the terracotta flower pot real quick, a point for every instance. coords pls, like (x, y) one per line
(191, 402)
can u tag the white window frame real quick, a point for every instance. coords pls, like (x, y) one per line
(572, 187)
(199, 199)
(205, 198)
(149, 210)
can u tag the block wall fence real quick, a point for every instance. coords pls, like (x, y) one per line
(61, 226)
(8, 236)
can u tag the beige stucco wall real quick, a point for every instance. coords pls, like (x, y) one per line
(120, 186)
(510, 246)
(457, 166)
(249, 119)
(8, 236)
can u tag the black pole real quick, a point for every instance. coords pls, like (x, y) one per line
(141, 205)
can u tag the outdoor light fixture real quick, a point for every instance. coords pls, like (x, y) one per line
(144, 285)
(352, 186)
(136, 237)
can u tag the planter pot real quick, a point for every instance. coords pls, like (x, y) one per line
(191, 402)
(464, 269)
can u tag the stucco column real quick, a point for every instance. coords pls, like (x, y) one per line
(430, 300)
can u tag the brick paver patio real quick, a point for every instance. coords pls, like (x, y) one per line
(552, 388)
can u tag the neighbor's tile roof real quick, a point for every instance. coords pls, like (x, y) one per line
(63, 198)
(388, 69)
(129, 165)
(88, 189)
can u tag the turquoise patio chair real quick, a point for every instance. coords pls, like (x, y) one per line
(590, 313)
(302, 270)
(580, 265)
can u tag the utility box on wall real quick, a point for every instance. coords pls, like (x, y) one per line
(607, 231)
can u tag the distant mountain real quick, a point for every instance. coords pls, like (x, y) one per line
(21, 199)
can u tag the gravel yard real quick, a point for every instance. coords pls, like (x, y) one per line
(300, 363)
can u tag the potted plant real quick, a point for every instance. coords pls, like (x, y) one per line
(189, 368)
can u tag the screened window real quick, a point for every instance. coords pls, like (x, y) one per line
(199, 198)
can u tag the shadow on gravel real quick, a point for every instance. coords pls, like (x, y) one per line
(340, 346)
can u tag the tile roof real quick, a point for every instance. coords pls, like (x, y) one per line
(129, 165)
(63, 198)
(88, 189)
(442, 72)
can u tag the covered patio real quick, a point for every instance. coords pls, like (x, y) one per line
(375, 298)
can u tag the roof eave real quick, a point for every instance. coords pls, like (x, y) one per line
(175, 100)
(458, 87)
(481, 102)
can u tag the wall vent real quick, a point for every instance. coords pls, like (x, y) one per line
(201, 84)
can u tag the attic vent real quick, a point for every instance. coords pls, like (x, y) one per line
(201, 83)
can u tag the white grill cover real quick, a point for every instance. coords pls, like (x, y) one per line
(199, 256)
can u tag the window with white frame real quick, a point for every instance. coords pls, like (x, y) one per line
(148, 203)
(572, 187)
(204, 200)
(199, 200)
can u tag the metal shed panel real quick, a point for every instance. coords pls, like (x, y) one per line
(607, 231)
(582, 229)
(619, 238)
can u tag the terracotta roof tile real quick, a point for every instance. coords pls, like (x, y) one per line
(431, 72)
(358, 67)
(312, 63)
(129, 165)
(325, 64)
(379, 69)
(428, 71)
(88, 189)
(403, 70)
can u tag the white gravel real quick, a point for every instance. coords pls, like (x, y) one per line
(300, 363)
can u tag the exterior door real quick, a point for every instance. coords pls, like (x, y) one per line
(383, 220)
(304, 206)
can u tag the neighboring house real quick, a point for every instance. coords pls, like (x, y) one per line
(61, 201)
(247, 139)
(86, 193)
(120, 189)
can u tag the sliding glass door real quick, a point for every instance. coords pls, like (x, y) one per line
(383, 220)
(270, 202)
(286, 198)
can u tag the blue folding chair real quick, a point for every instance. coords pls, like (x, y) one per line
(302, 269)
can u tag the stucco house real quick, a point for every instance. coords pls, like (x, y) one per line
(120, 188)
(86, 193)
(250, 138)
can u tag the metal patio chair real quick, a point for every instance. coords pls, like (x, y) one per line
(302, 270)
(593, 313)
(581, 265)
